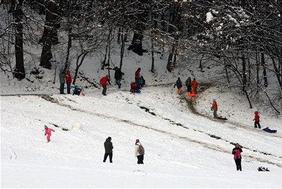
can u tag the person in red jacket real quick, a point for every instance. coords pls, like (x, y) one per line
(214, 108)
(237, 156)
(137, 75)
(48, 132)
(104, 81)
(257, 120)
(194, 85)
(134, 87)
(68, 79)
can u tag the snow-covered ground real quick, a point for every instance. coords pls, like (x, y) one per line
(179, 149)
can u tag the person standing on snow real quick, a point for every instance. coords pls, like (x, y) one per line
(48, 132)
(108, 149)
(188, 84)
(104, 81)
(257, 120)
(194, 85)
(68, 78)
(137, 75)
(178, 84)
(139, 152)
(214, 108)
(118, 76)
(237, 156)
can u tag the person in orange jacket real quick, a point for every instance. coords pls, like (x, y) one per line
(214, 108)
(68, 79)
(194, 85)
(104, 81)
(257, 120)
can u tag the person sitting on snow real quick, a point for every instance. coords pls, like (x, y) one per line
(77, 90)
(134, 88)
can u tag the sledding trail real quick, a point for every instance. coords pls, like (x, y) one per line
(132, 123)
(191, 106)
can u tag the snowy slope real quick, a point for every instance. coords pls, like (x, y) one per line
(180, 151)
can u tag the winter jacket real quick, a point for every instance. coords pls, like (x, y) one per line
(108, 146)
(194, 84)
(62, 76)
(188, 82)
(237, 152)
(137, 149)
(68, 77)
(133, 87)
(137, 74)
(214, 106)
(178, 83)
(48, 131)
(118, 74)
(104, 81)
(256, 119)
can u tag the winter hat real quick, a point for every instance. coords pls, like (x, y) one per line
(137, 141)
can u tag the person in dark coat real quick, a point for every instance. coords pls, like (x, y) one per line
(108, 149)
(237, 156)
(118, 76)
(188, 84)
(178, 84)
(62, 81)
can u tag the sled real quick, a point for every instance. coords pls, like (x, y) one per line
(221, 118)
(269, 130)
(263, 169)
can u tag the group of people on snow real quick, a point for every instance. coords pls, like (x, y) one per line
(191, 86)
(136, 86)
(66, 78)
(139, 151)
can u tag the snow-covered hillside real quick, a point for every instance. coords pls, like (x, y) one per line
(181, 149)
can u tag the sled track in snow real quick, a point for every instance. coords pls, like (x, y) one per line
(205, 86)
(209, 146)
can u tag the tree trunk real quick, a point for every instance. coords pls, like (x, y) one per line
(79, 62)
(67, 63)
(257, 67)
(244, 75)
(122, 48)
(264, 70)
(19, 71)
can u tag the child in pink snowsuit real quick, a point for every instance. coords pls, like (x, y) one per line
(48, 132)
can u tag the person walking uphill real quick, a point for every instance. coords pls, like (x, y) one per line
(257, 120)
(139, 152)
(237, 156)
(194, 85)
(104, 81)
(188, 84)
(178, 84)
(68, 81)
(48, 132)
(118, 76)
(108, 149)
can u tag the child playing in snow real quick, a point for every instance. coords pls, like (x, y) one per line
(48, 132)
(257, 120)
